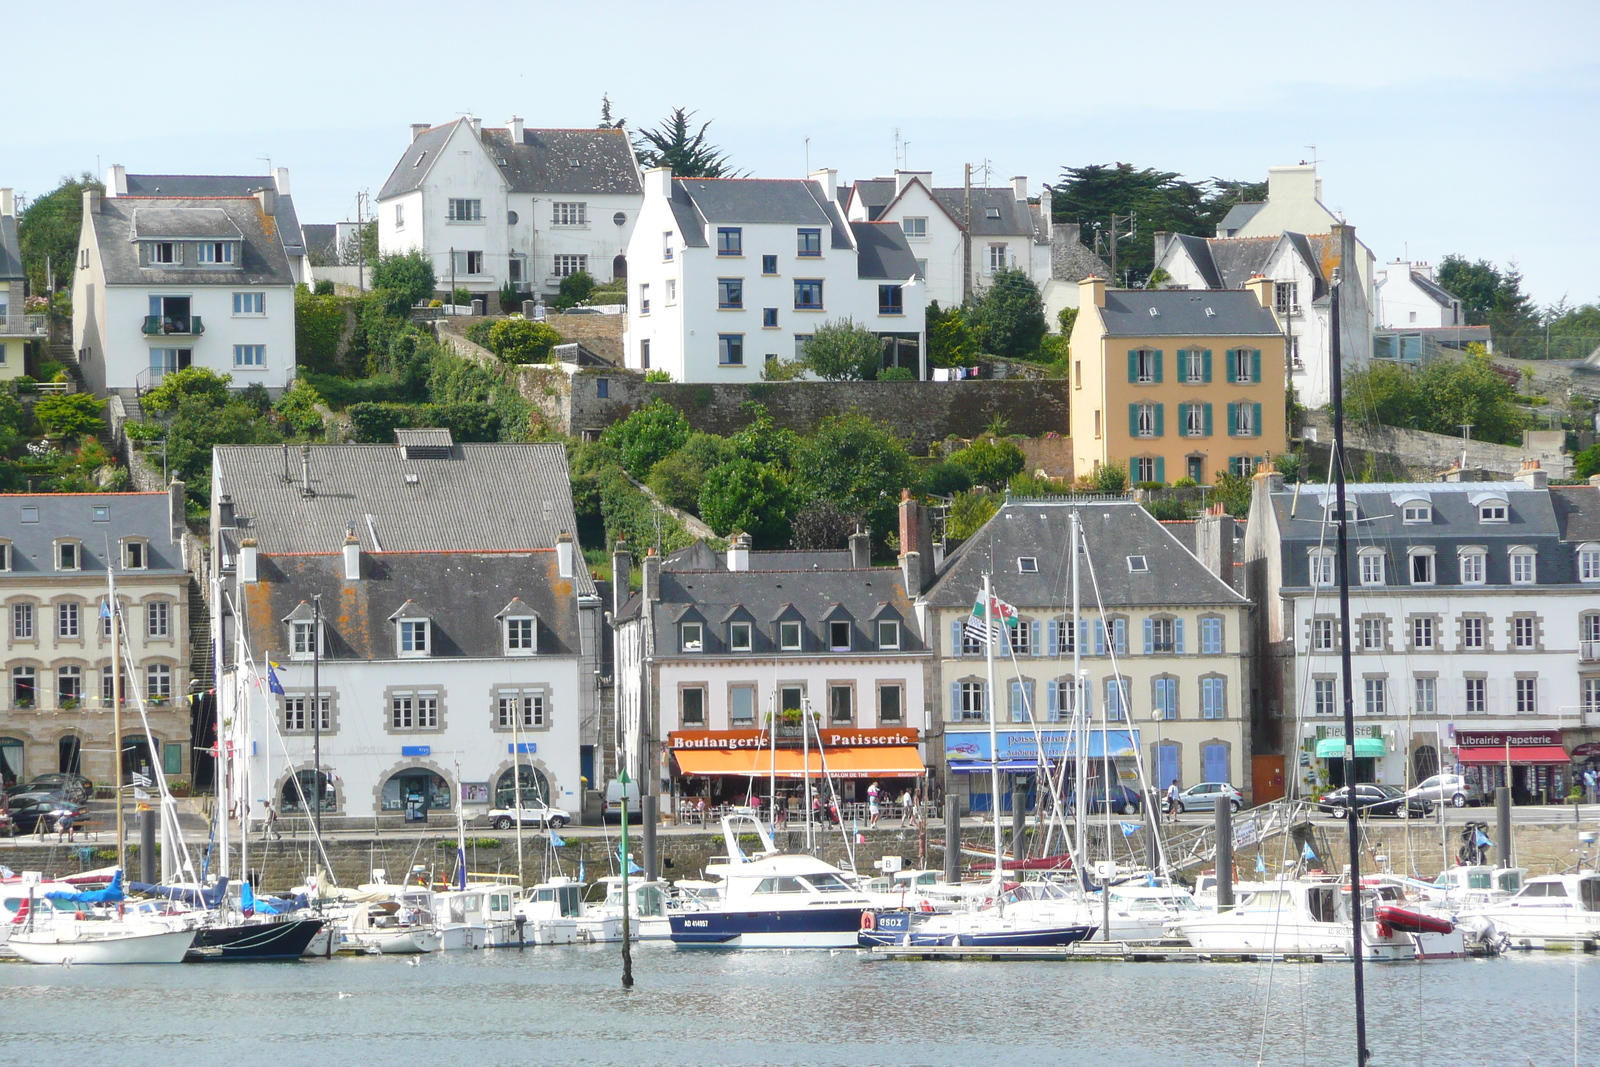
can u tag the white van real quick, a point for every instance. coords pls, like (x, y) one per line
(613, 811)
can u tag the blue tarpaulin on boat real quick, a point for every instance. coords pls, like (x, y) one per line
(109, 895)
(195, 898)
(249, 903)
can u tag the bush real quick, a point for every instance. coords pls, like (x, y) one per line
(1010, 316)
(298, 407)
(407, 274)
(477, 332)
(51, 371)
(991, 462)
(25, 383)
(950, 339)
(323, 287)
(1185, 482)
(657, 375)
(510, 299)
(897, 374)
(968, 513)
(1033, 485)
(748, 496)
(575, 288)
(319, 322)
(522, 340)
(195, 383)
(70, 414)
(944, 479)
(461, 297)
(858, 465)
(842, 351)
(1586, 464)
(781, 370)
(1111, 477)
(646, 437)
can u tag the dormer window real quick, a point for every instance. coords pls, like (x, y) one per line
(415, 637)
(1372, 567)
(521, 635)
(1028, 564)
(1321, 566)
(789, 636)
(1588, 563)
(1349, 512)
(839, 636)
(1524, 566)
(216, 252)
(161, 252)
(692, 637)
(1493, 511)
(1422, 571)
(5, 555)
(739, 636)
(1415, 514)
(69, 556)
(1472, 565)
(300, 639)
(135, 555)
(888, 634)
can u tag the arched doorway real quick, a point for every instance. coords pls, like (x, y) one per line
(69, 754)
(10, 761)
(137, 757)
(416, 791)
(619, 268)
(1425, 762)
(535, 786)
(301, 792)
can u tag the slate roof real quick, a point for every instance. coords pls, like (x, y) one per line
(1014, 218)
(140, 515)
(1439, 293)
(875, 194)
(262, 259)
(1072, 261)
(194, 223)
(702, 557)
(1236, 259)
(1577, 509)
(1112, 531)
(1238, 215)
(699, 202)
(11, 256)
(321, 240)
(882, 251)
(1532, 521)
(460, 592)
(545, 161)
(482, 498)
(1230, 262)
(198, 186)
(1182, 313)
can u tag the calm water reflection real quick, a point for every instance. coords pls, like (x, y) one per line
(564, 1006)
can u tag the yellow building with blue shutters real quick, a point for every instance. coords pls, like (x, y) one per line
(1177, 383)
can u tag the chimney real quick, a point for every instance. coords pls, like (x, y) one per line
(861, 549)
(1261, 286)
(177, 511)
(477, 127)
(419, 128)
(658, 182)
(247, 560)
(564, 555)
(1164, 241)
(352, 556)
(1269, 476)
(1046, 210)
(280, 180)
(117, 180)
(903, 178)
(306, 492)
(225, 519)
(828, 178)
(652, 575)
(1213, 542)
(91, 201)
(915, 558)
(739, 552)
(1532, 474)
(515, 125)
(1019, 188)
(8, 202)
(621, 574)
(269, 201)
(1092, 292)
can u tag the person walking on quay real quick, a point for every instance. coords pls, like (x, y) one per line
(271, 830)
(906, 802)
(872, 806)
(1591, 784)
(1172, 801)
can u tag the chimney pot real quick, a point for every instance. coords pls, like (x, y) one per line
(564, 553)
(419, 128)
(352, 557)
(515, 125)
(247, 560)
(739, 553)
(861, 549)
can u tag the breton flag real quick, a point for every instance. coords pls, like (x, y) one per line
(273, 685)
(142, 779)
(1003, 613)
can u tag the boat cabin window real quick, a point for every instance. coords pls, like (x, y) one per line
(1478, 880)
(1544, 889)
(1320, 902)
(829, 883)
(781, 885)
(652, 901)
(1589, 889)
(1510, 881)
(571, 898)
(1266, 900)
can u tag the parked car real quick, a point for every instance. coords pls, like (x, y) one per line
(1204, 797)
(1124, 801)
(1452, 789)
(1375, 800)
(531, 813)
(73, 786)
(583, 311)
(30, 809)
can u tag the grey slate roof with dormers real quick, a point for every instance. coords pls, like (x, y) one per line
(121, 220)
(544, 161)
(1182, 313)
(145, 516)
(882, 251)
(199, 186)
(479, 498)
(875, 194)
(1012, 216)
(1577, 509)
(701, 202)
(1112, 532)
(1532, 521)
(11, 257)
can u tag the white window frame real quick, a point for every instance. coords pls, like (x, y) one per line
(77, 554)
(915, 227)
(1496, 511)
(566, 264)
(300, 648)
(1473, 564)
(889, 634)
(1324, 638)
(1524, 633)
(1322, 565)
(158, 682)
(784, 629)
(158, 619)
(741, 636)
(997, 258)
(1424, 633)
(523, 709)
(463, 209)
(1476, 696)
(1372, 567)
(1414, 514)
(1527, 691)
(250, 356)
(1376, 693)
(1423, 559)
(1425, 694)
(1589, 563)
(572, 213)
(691, 637)
(220, 252)
(69, 619)
(521, 633)
(1373, 635)
(1325, 700)
(162, 253)
(407, 632)
(973, 706)
(1524, 566)
(252, 305)
(1470, 623)
(1147, 420)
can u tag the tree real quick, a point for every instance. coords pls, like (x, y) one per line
(1441, 397)
(70, 414)
(48, 231)
(990, 462)
(575, 289)
(840, 351)
(944, 479)
(821, 525)
(969, 511)
(606, 121)
(190, 382)
(1586, 464)
(646, 437)
(763, 440)
(1111, 477)
(748, 496)
(361, 248)
(405, 273)
(688, 153)
(522, 340)
(857, 465)
(1494, 298)
(678, 478)
(950, 340)
(1010, 316)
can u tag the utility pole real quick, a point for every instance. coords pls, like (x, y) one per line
(966, 235)
(361, 242)
(1131, 221)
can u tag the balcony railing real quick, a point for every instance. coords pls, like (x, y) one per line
(1589, 651)
(169, 325)
(24, 325)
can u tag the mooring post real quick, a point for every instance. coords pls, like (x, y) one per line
(1224, 854)
(1502, 816)
(952, 838)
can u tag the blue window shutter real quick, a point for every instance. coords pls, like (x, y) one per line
(1083, 637)
(988, 706)
(1178, 638)
(1099, 638)
(955, 701)
(1255, 365)
(1232, 364)
(1161, 469)
(1016, 701)
(1133, 420)
(1256, 423)
(1205, 364)
(955, 637)
(1133, 364)
(1037, 649)
(1055, 699)
(1149, 636)
(1054, 635)
(1119, 631)
(1158, 365)
(1233, 420)
(1161, 420)
(1208, 420)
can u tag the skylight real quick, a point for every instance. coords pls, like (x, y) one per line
(1028, 564)
(1138, 564)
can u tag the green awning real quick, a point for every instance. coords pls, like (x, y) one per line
(1333, 747)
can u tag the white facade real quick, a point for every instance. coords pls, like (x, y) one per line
(934, 237)
(679, 321)
(814, 676)
(1409, 299)
(482, 227)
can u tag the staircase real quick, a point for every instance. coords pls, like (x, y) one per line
(1198, 847)
(202, 666)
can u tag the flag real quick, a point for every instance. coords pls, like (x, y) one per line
(105, 609)
(142, 779)
(1308, 854)
(1483, 840)
(1003, 614)
(273, 685)
(581, 876)
(556, 839)
(140, 794)
(1261, 865)
(1129, 828)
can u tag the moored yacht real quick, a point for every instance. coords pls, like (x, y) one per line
(1563, 908)
(1294, 918)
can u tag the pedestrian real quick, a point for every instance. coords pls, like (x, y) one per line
(272, 823)
(833, 810)
(780, 812)
(872, 805)
(1172, 801)
(63, 824)
(816, 809)
(1591, 783)
(906, 801)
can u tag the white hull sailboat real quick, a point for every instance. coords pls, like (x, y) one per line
(106, 942)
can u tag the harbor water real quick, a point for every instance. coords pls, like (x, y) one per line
(566, 1006)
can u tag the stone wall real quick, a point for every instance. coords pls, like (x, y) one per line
(920, 412)
(1397, 454)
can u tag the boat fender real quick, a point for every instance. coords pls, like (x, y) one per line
(1385, 930)
(927, 905)
(79, 916)
(869, 921)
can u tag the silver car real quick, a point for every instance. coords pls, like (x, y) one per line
(1452, 789)
(532, 813)
(1204, 797)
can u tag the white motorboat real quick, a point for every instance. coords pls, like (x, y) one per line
(771, 899)
(1474, 886)
(647, 911)
(1029, 915)
(1561, 908)
(551, 912)
(1295, 918)
(462, 920)
(1144, 912)
(500, 902)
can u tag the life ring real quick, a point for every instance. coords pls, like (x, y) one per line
(869, 921)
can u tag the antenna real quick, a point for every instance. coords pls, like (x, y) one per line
(268, 161)
(808, 157)
(1313, 150)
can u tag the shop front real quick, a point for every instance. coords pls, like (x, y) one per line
(1024, 754)
(1534, 763)
(1323, 763)
(741, 767)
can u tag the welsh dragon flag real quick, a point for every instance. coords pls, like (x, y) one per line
(1003, 614)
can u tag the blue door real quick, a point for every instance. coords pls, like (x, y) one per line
(1214, 762)
(1167, 767)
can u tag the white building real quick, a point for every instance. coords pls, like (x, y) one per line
(164, 283)
(1409, 299)
(1474, 625)
(528, 207)
(729, 273)
(458, 621)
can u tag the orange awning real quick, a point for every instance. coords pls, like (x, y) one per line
(885, 761)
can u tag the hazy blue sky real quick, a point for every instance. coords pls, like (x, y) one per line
(1441, 127)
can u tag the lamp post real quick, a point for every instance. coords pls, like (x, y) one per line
(627, 947)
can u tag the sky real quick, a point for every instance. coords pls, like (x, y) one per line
(1438, 128)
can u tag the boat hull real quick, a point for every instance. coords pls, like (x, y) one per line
(454, 938)
(1243, 935)
(156, 946)
(255, 941)
(796, 928)
(902, 928)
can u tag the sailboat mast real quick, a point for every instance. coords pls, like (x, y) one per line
(994, 740)
(116, 703)
(516, 784)
(1079, 720)
(1337, 376)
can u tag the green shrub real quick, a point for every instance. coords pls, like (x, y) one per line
(969, 511)
(657, 375)
(510, 299)
(298, 407)
(409, 275)
(522, 340)
(950, 338)
(70, 414)
(747, 496)
(575, 288)
(840, 351)
(461, 297)
(944, 479)
(319, 322)
(324, 287)
(897, 374)
(1111, 477)
(1032, 485)
(188, 383)
(1586, 464)
(50, 369)
(477, 332)
(646, 437)
(991, 462)
(1185, 482)
(25, 383)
